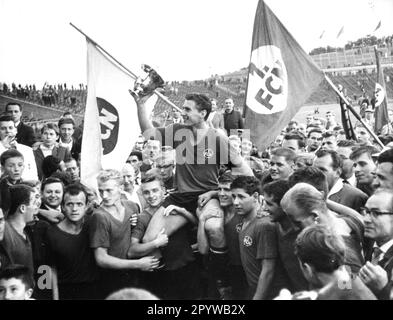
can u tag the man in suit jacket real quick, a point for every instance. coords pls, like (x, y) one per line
(66, 139)
(232, 118)
(25, 133)
(49, 147)
(378, 220)
(331, 164)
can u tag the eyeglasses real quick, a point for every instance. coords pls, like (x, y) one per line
(373, 212)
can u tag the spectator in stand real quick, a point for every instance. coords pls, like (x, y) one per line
(330, 163)
(49, 147)
(8, 141)
(294, 141)
(330, 120)
(292, 126)
(378, 221)
(66, 139)
(384, 172)
(25, 134)
(232, 119)
(314, 140)
(364, 167)
(215, 119)
(329, 141)
(344, 149)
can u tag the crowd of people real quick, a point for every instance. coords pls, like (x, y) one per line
(197, 211)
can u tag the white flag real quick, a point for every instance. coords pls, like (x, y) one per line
(111, 124)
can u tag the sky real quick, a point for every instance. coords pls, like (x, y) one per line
(181, 39)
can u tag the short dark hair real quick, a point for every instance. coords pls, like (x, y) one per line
(337, 161)
(296, 136)
(13, 104)
(66, 121)
(19, 194)
(226, 177)
(312, 176)
(287, 153)
(328, 134)
(346, 144)
(74, 190)
(247, 183)
(320, 247)
(20, 272)
(6, 118)
(8, 154)
(314, 130)
(369, 150)
(138, 154)
(51, 180)
(277, 189)
(63, 176)
(51, 126)
(202, 102)
(386, 156)
(50, 165)
(152, 177)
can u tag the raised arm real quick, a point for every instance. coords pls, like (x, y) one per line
(145, 124)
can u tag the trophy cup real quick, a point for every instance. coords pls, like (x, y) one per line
(144, 87)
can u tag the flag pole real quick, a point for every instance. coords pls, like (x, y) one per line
(357, 116)
(159, 94)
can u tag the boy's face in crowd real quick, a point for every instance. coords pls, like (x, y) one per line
(14, 111)
(270, 206)
(243, 203)
(66, 131)
(128, 174)
(325, 164)
(31, 209)
(344, 153)
(110, 192)
(364, 168)
(7, 128)
(246, 147)
(14, 289)
(280, 168)
(229, 105)
(152, 149)
(292, 144)
(166, 168)
(2, 225)
(14, 167)
(314, 141)
(53, 194)
(74, 206)
(329, 143)
(49, 137)
(362, 135)
(225, 194)
(153, 193)
(71, 167)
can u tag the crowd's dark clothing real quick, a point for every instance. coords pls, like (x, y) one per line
(59, 152)
(17, 248)
(350, 197)
(5, 259)
(73, 259)
(387, 264)
(76, 148)
(5, 185)
(233, 120)
(25, 134)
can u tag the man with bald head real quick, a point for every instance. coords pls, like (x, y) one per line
(232, 119)
(305, 206)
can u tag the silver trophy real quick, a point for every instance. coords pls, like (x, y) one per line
(144, 87)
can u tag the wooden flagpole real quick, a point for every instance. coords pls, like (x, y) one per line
(357, 116)
(159, 94)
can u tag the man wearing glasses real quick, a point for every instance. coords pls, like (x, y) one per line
(378, 221)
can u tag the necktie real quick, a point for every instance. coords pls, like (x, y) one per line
(377, 252)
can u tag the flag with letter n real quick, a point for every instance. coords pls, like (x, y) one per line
(111, 121)
(281, 77)
(381, 115)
